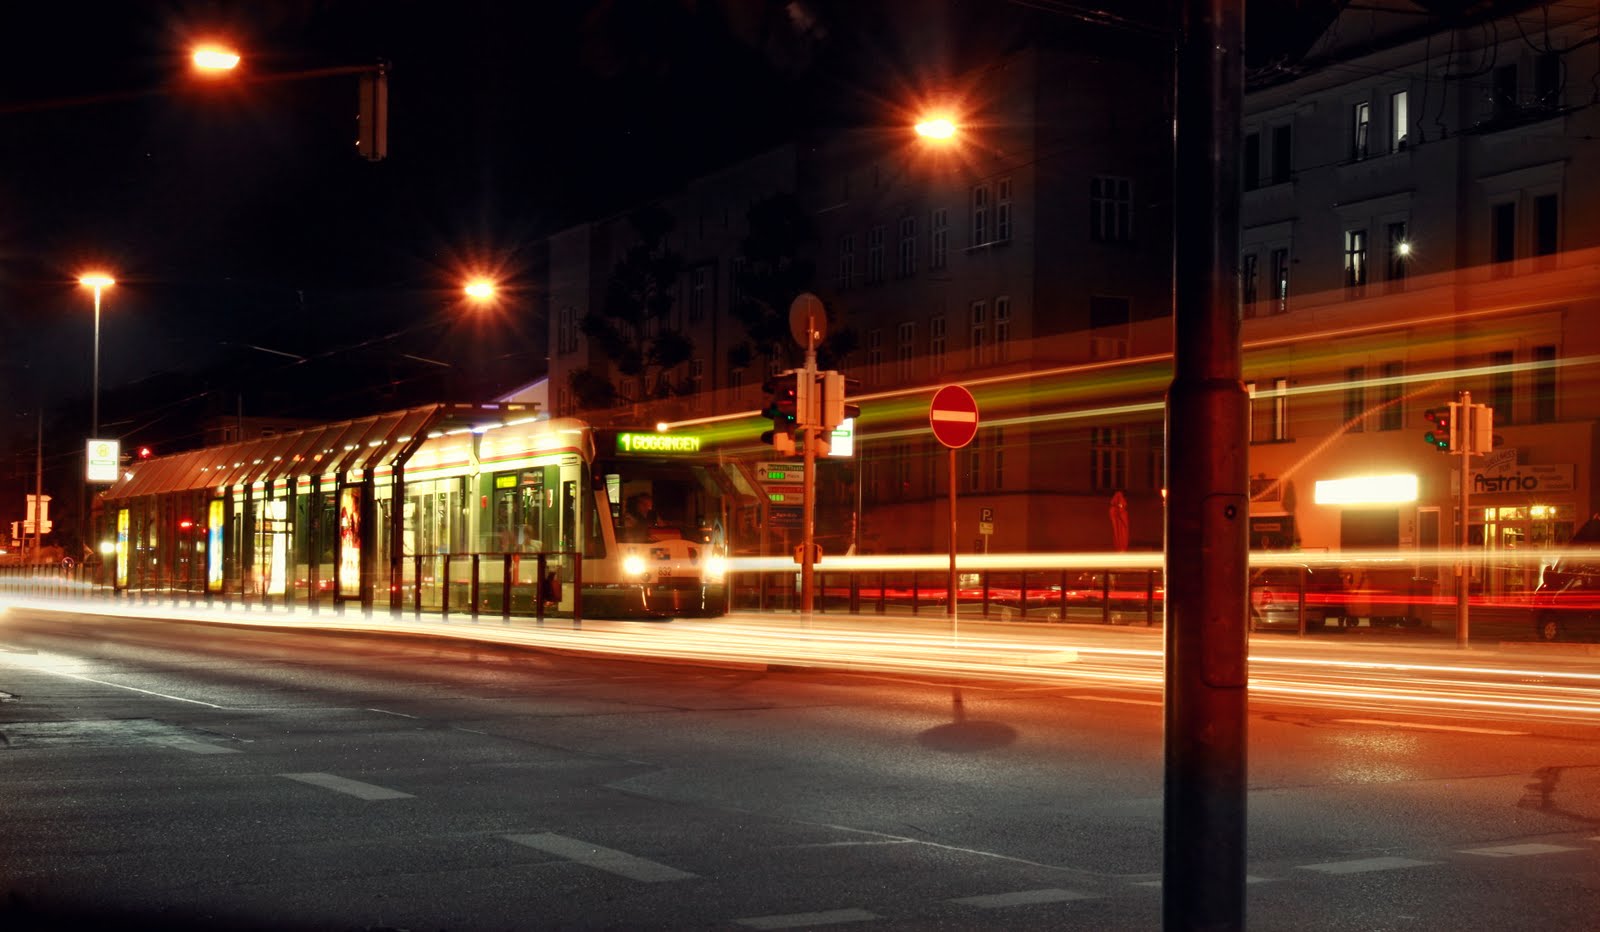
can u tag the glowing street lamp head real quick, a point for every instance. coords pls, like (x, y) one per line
(939, 128)
(214, 58)
(480, 289)
(96, 280)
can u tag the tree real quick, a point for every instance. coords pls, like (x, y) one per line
(633, 328)
(777, 268)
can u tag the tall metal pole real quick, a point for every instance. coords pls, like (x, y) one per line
(1463, 424)
(1203, 869)
(951, 597)
(94, 397)
(38, 492)
(808, 435)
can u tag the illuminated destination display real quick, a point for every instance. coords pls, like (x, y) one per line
(658, 443)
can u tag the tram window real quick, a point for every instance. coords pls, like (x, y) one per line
(569, 513)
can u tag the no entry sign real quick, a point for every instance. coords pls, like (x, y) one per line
(954, 416)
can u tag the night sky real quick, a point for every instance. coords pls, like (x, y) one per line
(262, 266)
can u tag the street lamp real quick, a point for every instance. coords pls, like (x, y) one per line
(937, 127)
(480, 289)
(99, 281)
(214, 59)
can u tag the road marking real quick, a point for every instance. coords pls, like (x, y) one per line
(1422, 727)
(1518, 851)
(1364, 865)
(1022, 898)
(193, 746)
(804, 920)
(387, 712)
(1116, 699)
(606, 859)
(1248, 879)
(132, 689)
(345, 785)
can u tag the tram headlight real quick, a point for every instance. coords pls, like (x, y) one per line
(716, 567)
(633, 565)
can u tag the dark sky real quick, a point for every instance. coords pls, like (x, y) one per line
(238, 220)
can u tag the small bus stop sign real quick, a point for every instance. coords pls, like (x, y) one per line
(954, 416)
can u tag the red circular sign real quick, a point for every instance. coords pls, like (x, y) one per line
(954, 416)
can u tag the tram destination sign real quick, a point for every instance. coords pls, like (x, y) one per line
(658, 443)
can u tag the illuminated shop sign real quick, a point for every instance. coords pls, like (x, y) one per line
(1500, 473)
(1367, 490)
(658, 443)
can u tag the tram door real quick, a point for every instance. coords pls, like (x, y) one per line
(536, 510)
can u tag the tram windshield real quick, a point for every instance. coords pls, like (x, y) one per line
(654, 500)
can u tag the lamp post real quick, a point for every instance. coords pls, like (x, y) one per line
(99, 281)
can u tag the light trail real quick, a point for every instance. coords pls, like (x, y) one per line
(1123, 661)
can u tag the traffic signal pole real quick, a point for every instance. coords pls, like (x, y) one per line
(1208, 506)
(1464, 429)
(808, 411)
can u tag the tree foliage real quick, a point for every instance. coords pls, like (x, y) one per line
(777, 267)
(633, 327)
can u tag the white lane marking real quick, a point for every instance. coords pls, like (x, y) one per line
(606, 859)
(1022, 898)
(1364, 865)
(1248, 878)
(387, 712)
(806, 920)
(345, 785)
(193, 746)
(133, 689)
(1116, 699)
(1421, 727)
(1518, 851)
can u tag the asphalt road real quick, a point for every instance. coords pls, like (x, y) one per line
(169, 775)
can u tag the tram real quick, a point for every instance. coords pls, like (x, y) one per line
(480, 508)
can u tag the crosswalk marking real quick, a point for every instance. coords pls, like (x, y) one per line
(808, 920)
(192, 746)
(1517, 851)
(345, 785)
(1022, 898)
(606, 859)
(1364, 865)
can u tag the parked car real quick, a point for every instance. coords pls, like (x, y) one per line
(1567, 602)
(1275, 596)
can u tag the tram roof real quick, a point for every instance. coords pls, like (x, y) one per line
(364, 443)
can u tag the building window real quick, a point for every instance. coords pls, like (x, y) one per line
(1109, 322)
(936, 344)
(1270, 411)
(905, 338)
(1546, 224)
(980, 332)
(1503, 235)
(1547, 81)
(975, 468)
(699, 292)
(997, 444)
(1399, 255)
(875, 353)
(1505, 91)
(1355, 398)
(1280, 281)
(1109, 458)
(980, 215)
(1544, 384)
(1002, 329)
(1500, 376)
(567, 330)
(908, 247)
(938, 238)
(1360, 129)
(1250, 427)
(1282, 154)
(1002, 211)
(1355, 259)
(875, 238)
(736, 270)
(1110, 210)
(1252, 161)
(697, 380)
(847, 260)
(1392, 414)
(1247, 283)
(1399, 122)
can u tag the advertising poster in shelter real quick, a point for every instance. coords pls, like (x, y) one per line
(214, 517)
(350, 542)
(122, 548)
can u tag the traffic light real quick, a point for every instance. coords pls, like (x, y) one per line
(783, 410)
(1442, 428)
(835, 389)
(145, 453)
